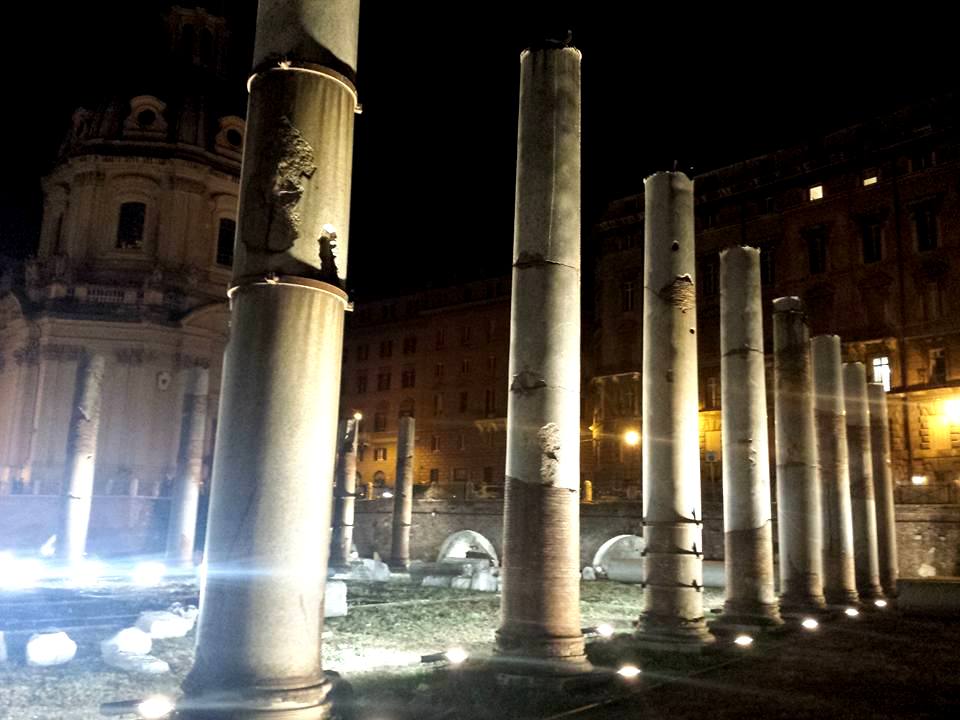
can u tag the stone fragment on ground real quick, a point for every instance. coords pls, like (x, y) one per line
(335, 599)
(48, 649)
(3, 647)
(588, 573)
(175, 622)
(129, 650)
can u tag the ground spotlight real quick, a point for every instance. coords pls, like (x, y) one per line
(605, 630)
(19, 573)
(155, 707)
(743, 640)
(880, 603)
(456, 656)
(851, 612)
(628, 671)
(810, 624)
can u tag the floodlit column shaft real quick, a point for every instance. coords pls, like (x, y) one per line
(839, 580)
(799, 522)
(862, 499)
(258, 642)
(673, 566)
(747, 516)
(81, 459)
(403, 495)
(540, 605)
(345, 495)
(883, 489)
(182, 529)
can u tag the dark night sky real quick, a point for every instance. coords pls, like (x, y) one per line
(435, 146)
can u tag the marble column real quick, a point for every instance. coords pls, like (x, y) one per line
(258, 651)
(81, 459)
(862, 500)
(345, 494)
(751, 598)
(403, 496)
(182, 528)
(839, 580)
(672, 515)
(883, 489)
(799, 521)
(540, 604)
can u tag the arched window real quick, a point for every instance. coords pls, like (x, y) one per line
(206, 47)
(130, 225)
(225, 235)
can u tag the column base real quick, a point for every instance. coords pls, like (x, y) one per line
(311, 703)
(540, 654)
(748, 617)
(847, 598)
(673, 634)
(870, 593)
(802, 604)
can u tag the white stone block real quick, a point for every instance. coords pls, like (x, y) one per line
(437, 581)
(335, 599)
(3, 647)
(926, 570)
(379, 570)
(588, 573)
(162, 624)
(131, 640)
(46, 649)
(461, 583)
(484, 581)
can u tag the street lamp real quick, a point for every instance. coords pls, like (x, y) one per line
(631, 438)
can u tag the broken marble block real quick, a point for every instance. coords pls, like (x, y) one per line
(335, 599)
(131, 640)
(53, 648)
(484, 580)
(3, 648)
(461, 583)
(379, 570)
(437, 581)
(588, 573)
(131, 662)
(173, 623)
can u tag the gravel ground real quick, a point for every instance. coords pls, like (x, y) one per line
(377, 647)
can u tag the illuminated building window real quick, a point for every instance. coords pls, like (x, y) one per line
(225, 234)
(708, 276)
(435, 443)
(768, 256)
(434, 475)
(130, 225)
(438, 404)
(711, 395)
(937, 374)
(871, 180)
(816, 193)
(380, 422)
(881, 371)
(380, 454)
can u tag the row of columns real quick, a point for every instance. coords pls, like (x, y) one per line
(81, 463)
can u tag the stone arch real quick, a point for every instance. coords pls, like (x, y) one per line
(459, 543)
(619, 547)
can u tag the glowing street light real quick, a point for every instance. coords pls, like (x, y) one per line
(156, 707)
(631, 438)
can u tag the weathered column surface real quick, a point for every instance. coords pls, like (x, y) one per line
(403, 496)
(673, 520)
(81, 459)
(261, 611)
(839, 581)
(799, 521)
(883, 489)
(540, 605)
(747, 516)
(862, 499)
(182, 528)
(345, 494)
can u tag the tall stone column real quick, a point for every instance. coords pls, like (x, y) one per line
(799, 522)
(81, 459)
(839, 581)
(182, 528)
(862, 500)
(403, 496)
(345, 494)
(258, 641)
(883, 489)
(540, 605)
(673, 519)
(747, 516)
